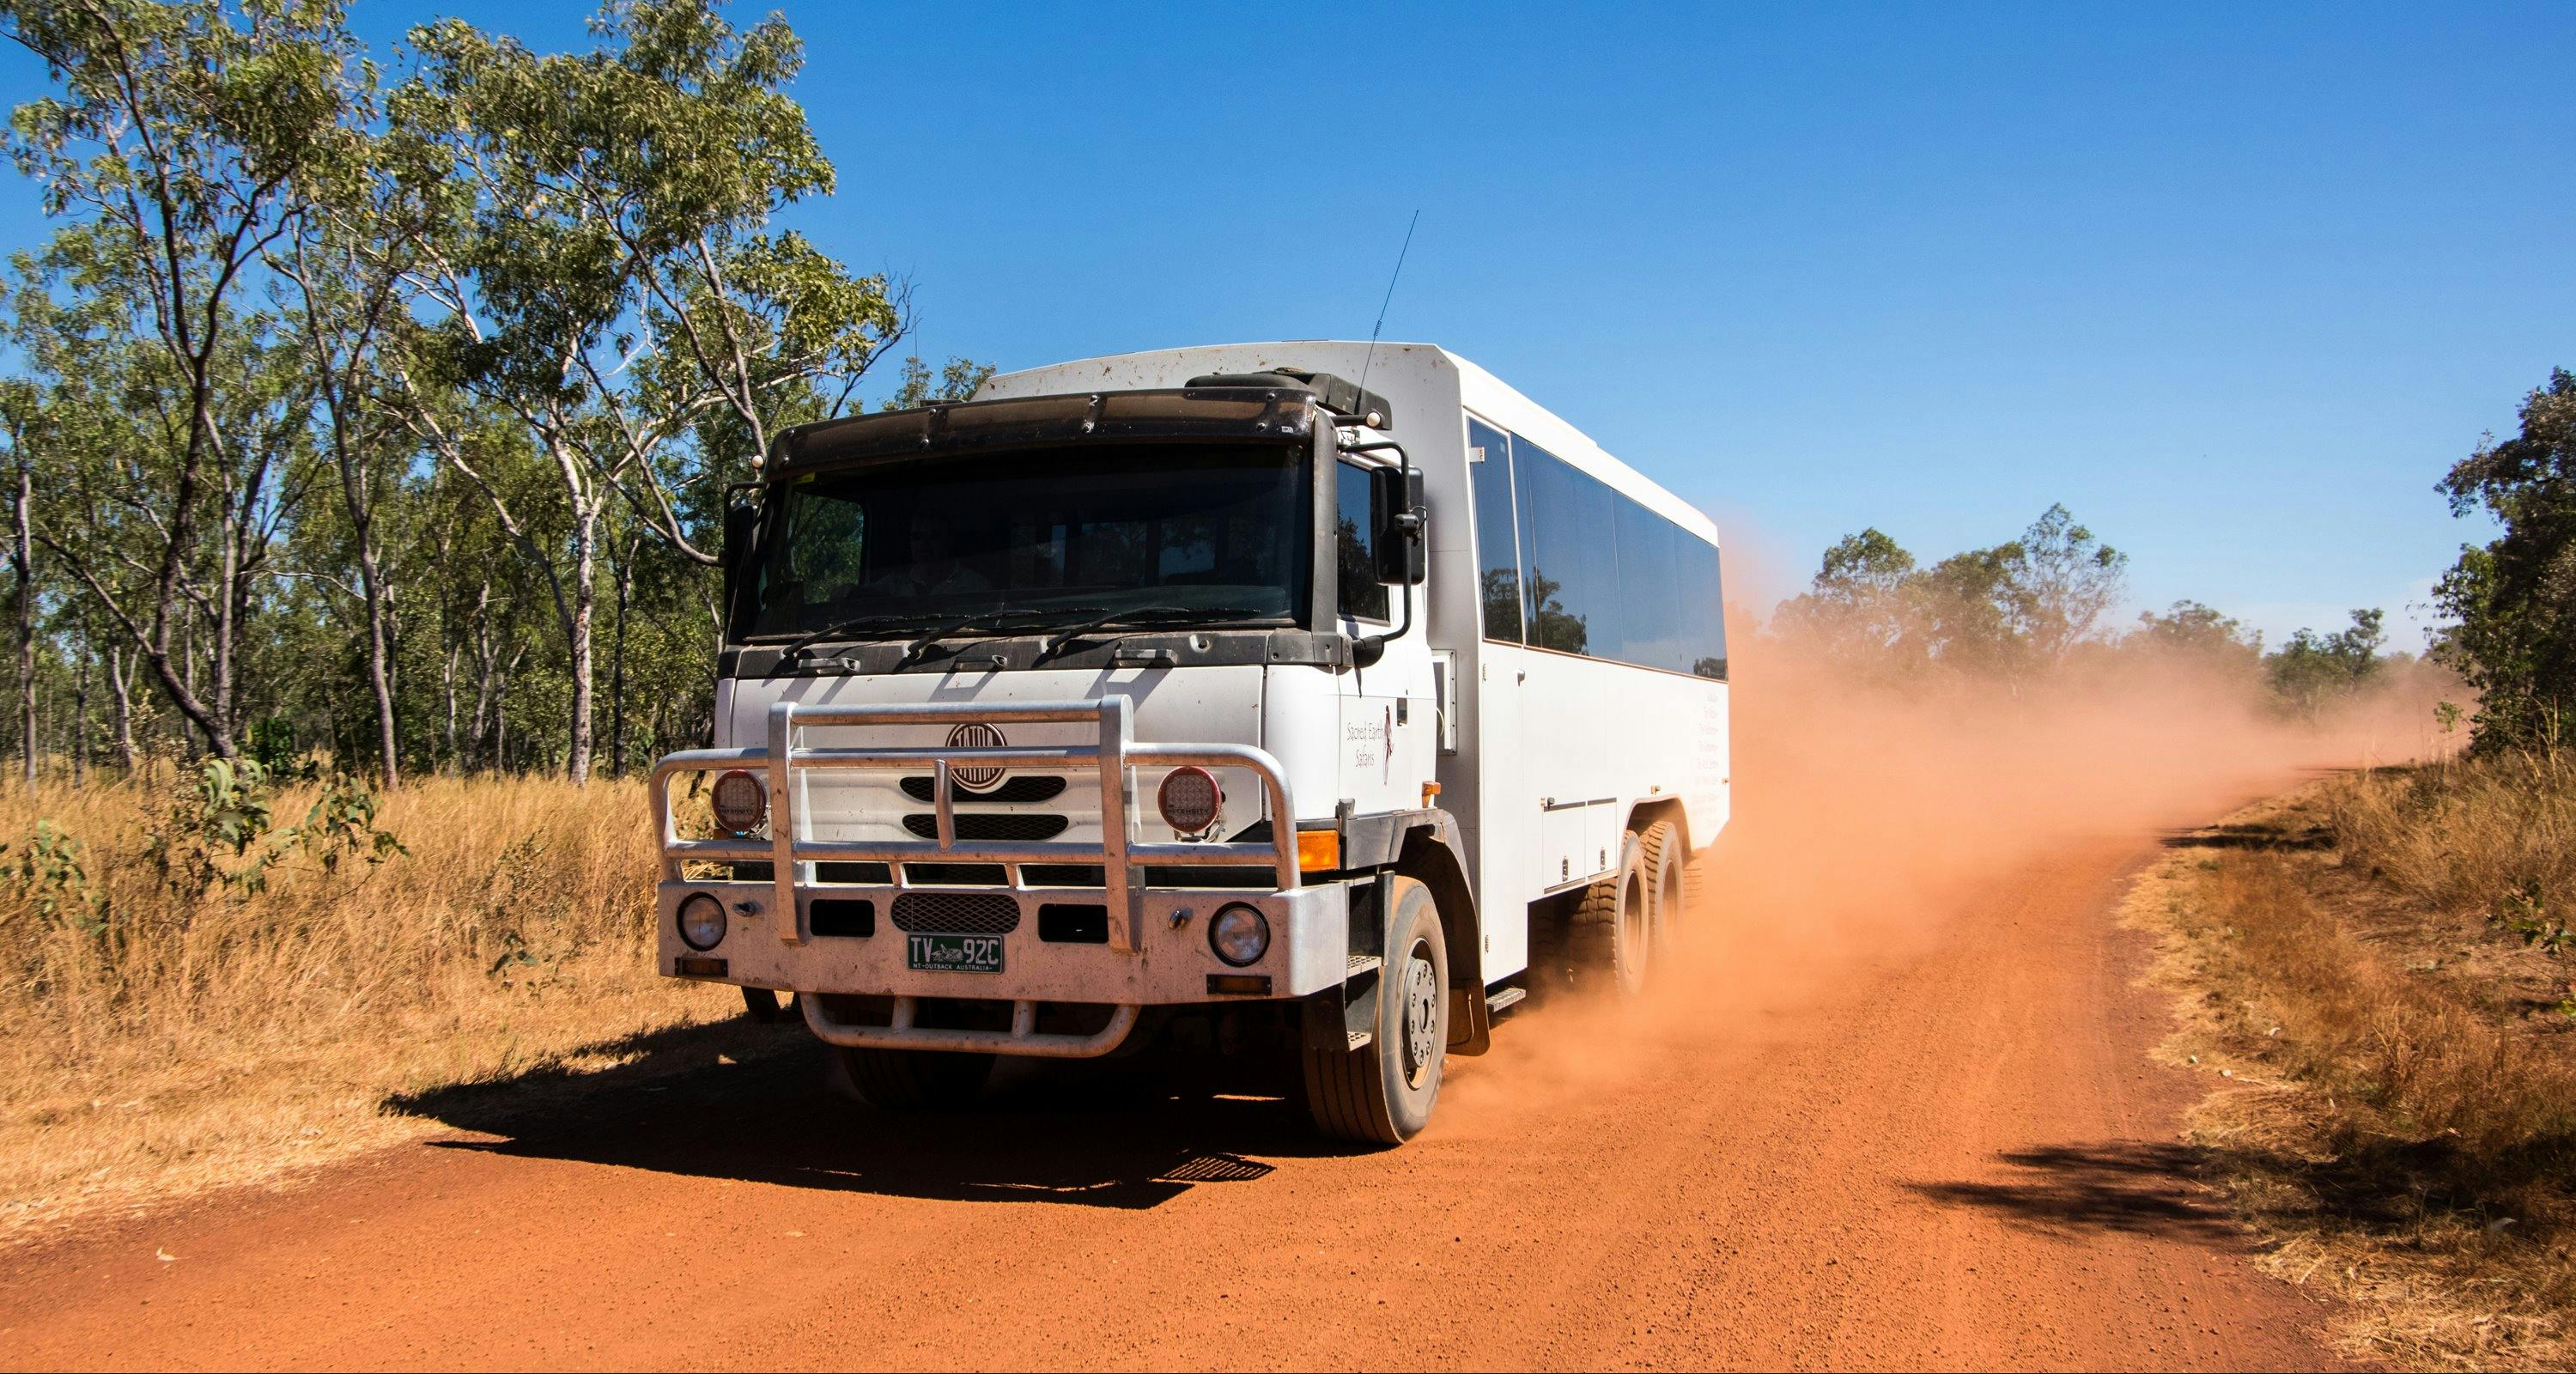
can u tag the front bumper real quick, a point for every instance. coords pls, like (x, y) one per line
(1309, 946)
(1153, 947)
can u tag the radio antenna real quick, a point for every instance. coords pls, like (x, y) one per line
(1371, 355)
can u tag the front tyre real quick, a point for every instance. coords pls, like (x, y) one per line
(1382, 1093)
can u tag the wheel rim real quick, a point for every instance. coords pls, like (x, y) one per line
(1421, 1015)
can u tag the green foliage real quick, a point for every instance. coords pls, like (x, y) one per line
(2010, 610)
(342, 824)
(49, 874)
(272, 745)
(955, 382)
(2313, 670)
(210, 826)
(388, 412)
(2524, 911)
(2193, 631)
(219, 830)
(2513, 600)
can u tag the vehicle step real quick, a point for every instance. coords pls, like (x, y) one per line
(1361, 963)
(1496, 1003)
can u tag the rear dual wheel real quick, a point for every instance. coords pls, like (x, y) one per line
(1382, 1092)
(1608, 941)
(1666, 867)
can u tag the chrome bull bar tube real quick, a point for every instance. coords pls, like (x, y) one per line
(1023, 1038)
(1115, 752)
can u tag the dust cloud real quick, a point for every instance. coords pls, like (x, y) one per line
(1867, 816)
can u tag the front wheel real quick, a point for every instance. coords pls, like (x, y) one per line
(1382, 1093)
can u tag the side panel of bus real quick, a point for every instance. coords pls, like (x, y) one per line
(1600, 669)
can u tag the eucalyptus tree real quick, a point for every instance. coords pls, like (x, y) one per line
(21, 421)
(2513, 599)
(174, 144)
(618, 290)
(369, 226)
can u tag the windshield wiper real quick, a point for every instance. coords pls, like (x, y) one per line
(1145, 615)
(796, 647)
(913, 652)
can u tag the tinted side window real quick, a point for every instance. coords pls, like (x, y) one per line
(1571, 590)
(1355, 544)
(1489, 467)
(1650, 592)
(1703, 608)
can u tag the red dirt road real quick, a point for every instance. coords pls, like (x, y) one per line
(1948, 1150)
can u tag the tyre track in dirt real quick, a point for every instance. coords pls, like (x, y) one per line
(1943, 1146)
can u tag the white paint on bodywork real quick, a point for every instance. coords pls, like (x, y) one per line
(1533, 725)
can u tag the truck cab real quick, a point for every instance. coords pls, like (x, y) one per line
(1131, 692)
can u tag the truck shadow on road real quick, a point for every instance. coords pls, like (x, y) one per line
(2139, 1187)
(760, 1104)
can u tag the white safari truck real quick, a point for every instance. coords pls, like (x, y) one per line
(1199, 694)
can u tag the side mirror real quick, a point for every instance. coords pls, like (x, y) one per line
(741, 522)
(741, 527)
(1402, 542)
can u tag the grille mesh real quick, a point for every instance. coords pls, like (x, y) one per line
(977, 825)
(956, 913)
(1016, 788)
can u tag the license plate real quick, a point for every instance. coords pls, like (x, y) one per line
(953, 953)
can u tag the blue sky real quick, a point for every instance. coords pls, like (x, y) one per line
(2235, 283)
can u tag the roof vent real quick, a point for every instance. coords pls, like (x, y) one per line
(1331, 392)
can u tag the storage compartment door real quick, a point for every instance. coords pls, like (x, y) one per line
(1574, 841)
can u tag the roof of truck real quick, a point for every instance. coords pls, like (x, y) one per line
(1403, 371)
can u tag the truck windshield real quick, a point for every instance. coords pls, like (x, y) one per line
(1087, 529)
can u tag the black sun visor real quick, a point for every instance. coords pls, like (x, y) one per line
(1249, 413)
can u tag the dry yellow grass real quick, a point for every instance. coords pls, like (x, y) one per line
(2463, 837)
(2398, 1113)
(167, 1042)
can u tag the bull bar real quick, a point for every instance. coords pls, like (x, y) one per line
(1114, 753)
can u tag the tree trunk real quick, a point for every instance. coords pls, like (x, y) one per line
(22, 560)
(227, 621)
(116, 680)
(80, 720)
(380, 678)
(447, 689)
(585, 607)
(487, 656)
(617, 665)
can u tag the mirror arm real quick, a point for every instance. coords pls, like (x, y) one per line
(1366, 651)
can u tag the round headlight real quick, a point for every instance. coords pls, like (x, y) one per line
(1189, 799)
(702, 921)
(741, 804)
(1240, 935)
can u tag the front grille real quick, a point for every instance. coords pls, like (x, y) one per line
(980, 825)
(956, 913)
(1023, 788)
